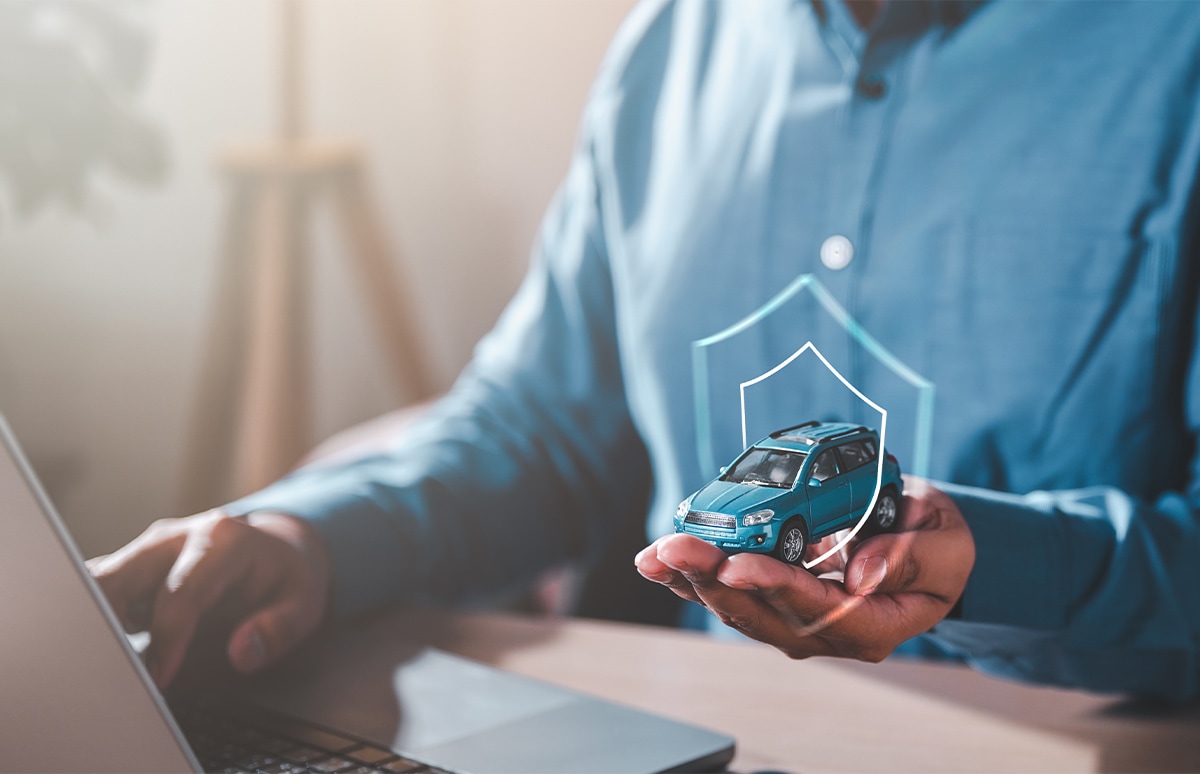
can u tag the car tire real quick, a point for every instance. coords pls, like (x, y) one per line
(792, 543)
(887, 510)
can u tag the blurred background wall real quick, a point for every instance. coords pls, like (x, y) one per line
(466, 110)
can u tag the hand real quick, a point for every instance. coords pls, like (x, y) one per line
(892, 586)
(271, 569)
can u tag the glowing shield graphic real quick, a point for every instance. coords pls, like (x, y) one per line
(801, 384)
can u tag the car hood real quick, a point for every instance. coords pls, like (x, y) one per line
(735, 499)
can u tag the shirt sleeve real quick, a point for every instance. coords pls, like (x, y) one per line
(1090, 588)
(523, 465)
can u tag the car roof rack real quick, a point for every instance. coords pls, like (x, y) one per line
(791, 434)
(786, 430)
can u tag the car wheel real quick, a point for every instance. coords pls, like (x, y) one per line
(886, 510)
(792, 543)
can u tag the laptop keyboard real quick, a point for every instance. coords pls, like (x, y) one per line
(248, 739)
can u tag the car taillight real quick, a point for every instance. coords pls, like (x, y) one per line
(892, 459)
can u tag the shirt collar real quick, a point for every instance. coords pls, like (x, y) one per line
(951, 13)
(948, 13)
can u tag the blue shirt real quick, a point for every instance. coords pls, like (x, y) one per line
(1018, 184)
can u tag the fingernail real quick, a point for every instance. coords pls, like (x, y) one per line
(657, 577)
(155, 670)
(873, 573)
(728, 576)
(686, 570)
(254, 652)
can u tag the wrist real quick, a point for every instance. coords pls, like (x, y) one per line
(305, 540)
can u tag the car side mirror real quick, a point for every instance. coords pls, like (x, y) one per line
(813, 482)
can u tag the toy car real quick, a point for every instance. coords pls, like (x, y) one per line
(795, 486)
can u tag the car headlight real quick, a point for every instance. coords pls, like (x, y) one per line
(758, 517)
(683, 508)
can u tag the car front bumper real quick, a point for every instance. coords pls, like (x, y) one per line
(759, 539)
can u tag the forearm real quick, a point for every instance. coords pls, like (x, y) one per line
(474, 503)
(1087, 588)
(520, 467)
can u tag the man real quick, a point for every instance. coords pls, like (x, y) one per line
(1005, 193)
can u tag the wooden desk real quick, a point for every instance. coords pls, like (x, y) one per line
(827, 715)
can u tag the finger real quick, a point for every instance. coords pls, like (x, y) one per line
(822, 617)
(924, 506)
(835, 562)
(652, 568)
(803, 600)
(933, 561)
(270, 633)
(211, 561)
(690, 556)
(131, 577)
(912, 562)
(896, 586)
(739, 606)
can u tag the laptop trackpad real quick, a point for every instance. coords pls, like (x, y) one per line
(409, 699)
(584, 737)
(479, 698)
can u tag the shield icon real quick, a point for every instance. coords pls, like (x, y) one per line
(738, 402)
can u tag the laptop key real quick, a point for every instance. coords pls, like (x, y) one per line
(402, 766)
(325, 740)
(278, 767)
(269, 743)
(278, 746)
(330, 765)
(369, 754)
(304, 754)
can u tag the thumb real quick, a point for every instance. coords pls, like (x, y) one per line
(889, 564)
(268, 634)
(933, 561)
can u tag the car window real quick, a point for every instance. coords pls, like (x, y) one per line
(767, 467)
(825, 467)
(856, 454)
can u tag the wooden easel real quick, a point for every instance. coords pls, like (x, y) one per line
(253, 418)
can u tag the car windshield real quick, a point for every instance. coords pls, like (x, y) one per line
(766, 467)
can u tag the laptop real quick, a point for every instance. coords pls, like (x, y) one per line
(74, 695)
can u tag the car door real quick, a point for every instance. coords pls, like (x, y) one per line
(828, 495)
(855, 458)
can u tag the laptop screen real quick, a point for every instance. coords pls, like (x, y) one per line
(75, 697)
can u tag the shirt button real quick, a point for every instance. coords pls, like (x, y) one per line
(872, 86)
(837, 252)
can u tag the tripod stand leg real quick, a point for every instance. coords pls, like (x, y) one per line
(212, 425)
(276, 406)
(380, 283)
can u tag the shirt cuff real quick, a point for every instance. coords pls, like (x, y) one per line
(1033, 560)
(364, 545)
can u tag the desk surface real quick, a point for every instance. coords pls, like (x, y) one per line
(829, 715)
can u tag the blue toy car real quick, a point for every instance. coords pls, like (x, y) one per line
(792, 487)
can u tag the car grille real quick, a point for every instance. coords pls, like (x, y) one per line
(711, 519)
